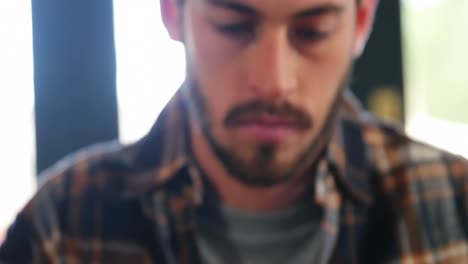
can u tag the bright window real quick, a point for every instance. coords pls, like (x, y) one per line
(150, 67)
(436, 40)
(17, 180)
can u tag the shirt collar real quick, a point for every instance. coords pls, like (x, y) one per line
(349, 154)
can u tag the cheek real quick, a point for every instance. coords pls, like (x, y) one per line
(212, 66)
(323, 75)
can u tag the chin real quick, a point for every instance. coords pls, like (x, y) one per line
(261, 164)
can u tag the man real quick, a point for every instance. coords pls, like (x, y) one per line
(262, 156)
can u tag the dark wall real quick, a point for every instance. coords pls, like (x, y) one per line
(74, 75)
(378, 78)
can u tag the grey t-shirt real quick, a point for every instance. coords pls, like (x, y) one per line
(227, 235)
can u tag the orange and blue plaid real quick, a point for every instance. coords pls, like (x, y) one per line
(385, 199)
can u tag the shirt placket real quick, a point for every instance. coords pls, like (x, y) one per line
(175, 222)
(330, 200)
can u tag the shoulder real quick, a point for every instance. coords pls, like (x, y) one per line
(401, 166)
(80, 199)
(409, 169)
(394, 151)
(87, 185)
(92, 167)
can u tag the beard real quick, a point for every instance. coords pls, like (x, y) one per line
(259, 165)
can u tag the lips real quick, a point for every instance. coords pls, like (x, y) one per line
(267, 122)
(266, 128)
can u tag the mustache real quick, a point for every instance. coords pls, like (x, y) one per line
(285, 111)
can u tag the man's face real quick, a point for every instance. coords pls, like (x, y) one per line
(264, 76)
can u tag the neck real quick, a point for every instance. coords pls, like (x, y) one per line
(236, 194)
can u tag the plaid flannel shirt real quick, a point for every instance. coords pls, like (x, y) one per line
(385, 199)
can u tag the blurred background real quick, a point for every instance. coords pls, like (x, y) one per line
(73, 73)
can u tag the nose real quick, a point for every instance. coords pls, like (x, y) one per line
(271, 66)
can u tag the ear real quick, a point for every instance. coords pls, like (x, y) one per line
(364, 23)
(171, 12)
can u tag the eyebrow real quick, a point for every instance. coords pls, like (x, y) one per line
(319, 11)
(310, 12)
(234, 5)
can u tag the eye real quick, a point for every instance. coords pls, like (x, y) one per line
(236, 30)
(310, 35)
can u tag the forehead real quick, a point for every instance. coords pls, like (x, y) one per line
(280, 8)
